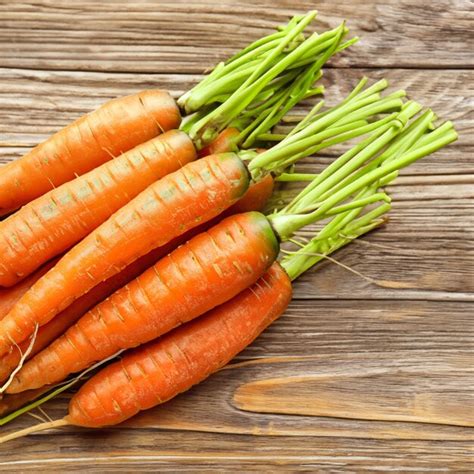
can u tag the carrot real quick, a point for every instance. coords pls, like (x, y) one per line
(161, 370)
(225, 141)
(196, 194)
(115, 127)
(10, 296)
(168, 208)
(254, 199)
(52, 223)
(206, 271)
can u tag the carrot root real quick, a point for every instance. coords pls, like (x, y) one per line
(35, 429)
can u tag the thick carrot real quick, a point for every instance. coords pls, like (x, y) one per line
(208, 270)
(161, 370)
(168, 208)
(115, 127)
(54, 222)
(253, 200)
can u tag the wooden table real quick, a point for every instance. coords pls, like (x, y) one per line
(356, 375)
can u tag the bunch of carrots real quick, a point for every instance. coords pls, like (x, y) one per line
(139, 228)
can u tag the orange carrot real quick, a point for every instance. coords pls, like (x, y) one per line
(10, 296)
(115, 127)
(253, 200)
(158, 371)
(161, 370)
(225, 141)
(168, 208)
(52, 223)
(208, 270)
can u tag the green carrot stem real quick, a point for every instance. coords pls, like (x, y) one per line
(218, 118)
(291, 177)
(320, 247)
(271, 137)
(341, 171)
(357, 131)
(286, 224)
(195, 100)
(297, 142)
(401, 144)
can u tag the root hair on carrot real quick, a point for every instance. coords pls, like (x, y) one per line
(23, 358)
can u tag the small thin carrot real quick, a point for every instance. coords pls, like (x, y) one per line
(52, 223)
(115, 127)
(225, 141)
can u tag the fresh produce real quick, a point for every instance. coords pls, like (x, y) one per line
(254, 200)
(52, 223)
(213, 267)
(90, 141)
(180, 201)
(160, 370)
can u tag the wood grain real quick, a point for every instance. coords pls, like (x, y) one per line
(360, 374)
(151, 36)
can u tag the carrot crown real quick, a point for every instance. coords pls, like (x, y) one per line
(262, 81)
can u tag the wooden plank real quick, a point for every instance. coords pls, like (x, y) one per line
(397, 356)
(184, 36)
(54, 99)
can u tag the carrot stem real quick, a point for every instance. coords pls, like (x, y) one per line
(374, 161)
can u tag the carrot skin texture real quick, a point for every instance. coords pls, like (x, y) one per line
(168, 208)
(10, 296)
(52, 223)
(57, 326)
(225, 141)
(256, 197)
(160, 370)
(208, 270)
(115, 127)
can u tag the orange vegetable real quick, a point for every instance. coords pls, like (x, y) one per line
(56, 327)
(10, 296)
(159, 371)
(168, 208)
(253, 200)
(208, 270)
(115, 127)
(52, 223)
(225, 141)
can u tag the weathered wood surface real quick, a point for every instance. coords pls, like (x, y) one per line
(357, 375)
